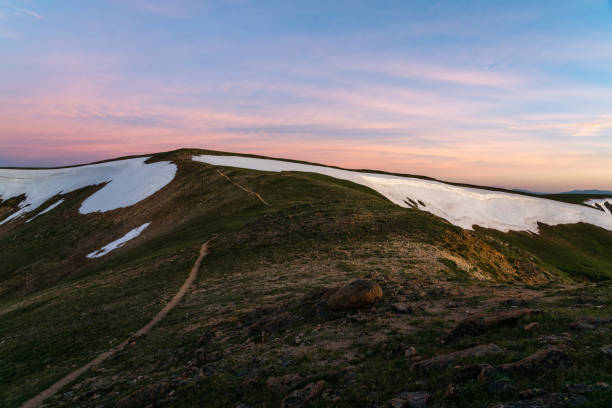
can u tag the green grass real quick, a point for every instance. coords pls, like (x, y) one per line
(580, 251)
(306, 239)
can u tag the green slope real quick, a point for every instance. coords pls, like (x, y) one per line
(59, 309)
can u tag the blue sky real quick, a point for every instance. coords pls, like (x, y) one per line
(508, 93)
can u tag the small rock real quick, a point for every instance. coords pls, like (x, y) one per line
(545, 359)
(271, 324)
(145, 396)
(587, 388)
(487, 374)
(411, 400)
(358, 294)
(410, 352)
(203, 357)
(284, 383)
(299, 397)
(469, 372)
(481, 323)
(243, 406)
(532, 393)
(444, 360)
(402, 308)
(452, 392)
(607, 350)
(206, 338)
(501, 386)
(531, 326)
(555, 339)
(495, 381)
(546, 401)
(581, 326)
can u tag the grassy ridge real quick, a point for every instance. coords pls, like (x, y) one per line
(66, 309)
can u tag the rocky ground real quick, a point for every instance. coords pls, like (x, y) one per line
(381, 341)
(316, 291)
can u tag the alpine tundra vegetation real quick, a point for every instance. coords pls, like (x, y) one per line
(309, 286)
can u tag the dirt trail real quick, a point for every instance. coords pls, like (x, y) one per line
(37, 400)
(259, 197)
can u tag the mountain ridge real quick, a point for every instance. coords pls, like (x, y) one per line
(256, 311)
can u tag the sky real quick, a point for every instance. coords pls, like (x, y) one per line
(515, 94)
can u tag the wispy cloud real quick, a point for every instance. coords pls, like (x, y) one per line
(170, 9)
(435, 94)
(8, 34)
(20, 11)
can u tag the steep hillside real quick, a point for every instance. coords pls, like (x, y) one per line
(89, 254)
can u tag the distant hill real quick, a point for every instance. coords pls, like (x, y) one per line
(585, 192)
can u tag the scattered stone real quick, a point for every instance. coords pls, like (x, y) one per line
(555, 339)
(590, 323)
(437, 292)
(402, 308)
(358, 294)
(487, 374)
(481, 323)
(607, 350)
(206, 338)
(514, 303)
(271, 324)
(203, 357)
(545, 401)
(599, 321)
(581, 326)
(299, 397)
(531, 326)
(410, 352)
(452, 392)
(494, 381)
(284, 383)
(587, 388)
(469, 372)
(417, 399)
(532, 393)
(145, 396)
(545, 359)
(243, 406)
(501, 386)
(444, 360)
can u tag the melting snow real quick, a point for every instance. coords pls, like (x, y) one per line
(119, 242)
(127, 182)
(601, 203)
(461, 206)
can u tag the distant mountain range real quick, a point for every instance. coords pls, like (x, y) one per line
(602, 192)
(598, 192)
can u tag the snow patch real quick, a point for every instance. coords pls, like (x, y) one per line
(126, 183)
(604, 204)
(46, 210)
(119, 242)
(461, 206)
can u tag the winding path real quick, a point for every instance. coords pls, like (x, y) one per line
(37, 400)
(243, 188)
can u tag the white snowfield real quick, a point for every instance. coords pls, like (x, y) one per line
(600, 203)
(127, 182)
(119, 242)
(461, 206)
